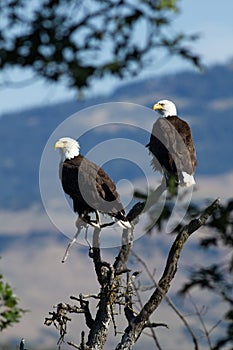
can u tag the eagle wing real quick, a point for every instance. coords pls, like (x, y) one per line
(90, 187)
(107, 190)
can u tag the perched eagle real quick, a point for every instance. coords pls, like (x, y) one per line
(90, 188)
(171, 144)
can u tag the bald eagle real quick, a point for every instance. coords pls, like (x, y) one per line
(172, 146)
(90, 188)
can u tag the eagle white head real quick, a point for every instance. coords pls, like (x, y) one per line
(68, 147)
(165, 108)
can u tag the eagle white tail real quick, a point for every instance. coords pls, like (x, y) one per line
(187, 179)
(124, 224)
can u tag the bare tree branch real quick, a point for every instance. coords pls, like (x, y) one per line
(170, 303)
(135, 328)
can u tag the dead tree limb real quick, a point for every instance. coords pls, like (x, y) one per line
(135, 327)
(169, 302)
(105, 274)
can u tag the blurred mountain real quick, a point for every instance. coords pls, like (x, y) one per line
(206, 100)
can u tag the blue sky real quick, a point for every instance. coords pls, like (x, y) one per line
(212, 19)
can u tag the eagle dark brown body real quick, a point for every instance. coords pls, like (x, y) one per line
(172, 145)
(90, 188)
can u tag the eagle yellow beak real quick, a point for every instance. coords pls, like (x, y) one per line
(59, 144)
(157, 106)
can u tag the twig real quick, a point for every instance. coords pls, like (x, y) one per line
(87, 296)
(206, 332)
(70, 245)
(155, 325)
(79, 224)
(74, 345)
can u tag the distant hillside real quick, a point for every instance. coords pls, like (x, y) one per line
(205, 99)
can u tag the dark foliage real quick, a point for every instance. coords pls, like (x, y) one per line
(10, 312)
(74, 41)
